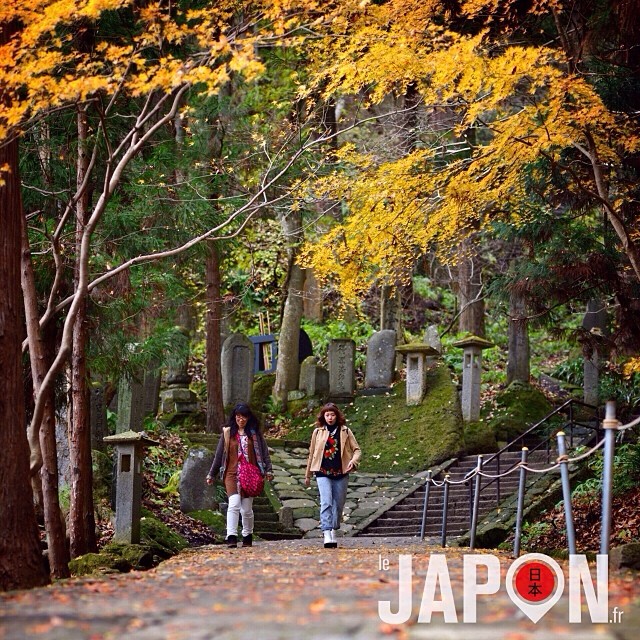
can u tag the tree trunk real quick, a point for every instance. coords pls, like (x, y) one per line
(215, 407)
(518, 362)
(312, 299)
(81, 519)
(470, 298)
(21, 564)
(58, 552)
(288, 367)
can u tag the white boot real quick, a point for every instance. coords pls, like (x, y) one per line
(334, 537)
(329, 543)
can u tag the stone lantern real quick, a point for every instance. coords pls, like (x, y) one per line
(417, 357)
(129, 449)
(471, 375)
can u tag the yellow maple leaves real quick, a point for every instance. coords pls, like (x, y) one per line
(47, 63)
(520, 99)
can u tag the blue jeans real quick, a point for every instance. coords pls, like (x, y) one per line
(333, 494)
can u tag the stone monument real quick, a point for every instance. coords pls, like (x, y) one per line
(471, 375)
(194, 493)
(342, 382)
(416, 355)
(381, 360)
(237, 369)
(129, 452)
(314, 379)
(130, 404)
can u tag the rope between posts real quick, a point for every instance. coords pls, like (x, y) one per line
(449, 481)
(630, 425)
(518, 466)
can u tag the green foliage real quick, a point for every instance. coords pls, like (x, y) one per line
(570, 370)
(159, 464)
(614, 385)
(626, 472)
(172, 485)
(532, 530)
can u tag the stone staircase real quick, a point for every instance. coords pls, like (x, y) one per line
(267, 524)
(405, 517)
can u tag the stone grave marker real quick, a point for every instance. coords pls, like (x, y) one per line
(342, 384)
(237, 369)
(381, 360)
(151, 392)
(195, 494)
(314, 379)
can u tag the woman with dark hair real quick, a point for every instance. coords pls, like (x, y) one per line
(333, 453)
(242, 435)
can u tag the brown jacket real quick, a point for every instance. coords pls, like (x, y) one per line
(349, 449)
(261, 459)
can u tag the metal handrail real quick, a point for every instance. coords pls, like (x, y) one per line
(567, 426)
(568, 403)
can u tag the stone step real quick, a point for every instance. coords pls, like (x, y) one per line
(279, 535)
(405, 518)
(266, 517)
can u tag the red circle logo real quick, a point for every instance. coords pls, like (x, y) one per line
(535, 581)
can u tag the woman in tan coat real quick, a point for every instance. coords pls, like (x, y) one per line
(333, 453)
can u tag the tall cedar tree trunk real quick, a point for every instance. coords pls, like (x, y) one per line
(213, 283)
(518, 362)
(21, 564)
(81, 519)
(58, 552)
(288, 367)
(471, 303)
(215, 408)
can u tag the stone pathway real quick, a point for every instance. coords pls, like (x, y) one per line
(368, 493)
(286, 590)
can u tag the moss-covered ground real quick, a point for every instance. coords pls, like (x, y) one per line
(396, 438)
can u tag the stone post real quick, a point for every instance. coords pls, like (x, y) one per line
(471, 375)
(342, 382)
(129, 452)
(416, 355)
(237, 369)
